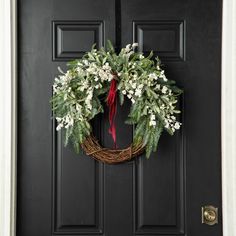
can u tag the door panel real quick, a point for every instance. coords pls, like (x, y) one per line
(63, 193)
(187, 37)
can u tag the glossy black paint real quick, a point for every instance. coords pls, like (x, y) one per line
(61, 193)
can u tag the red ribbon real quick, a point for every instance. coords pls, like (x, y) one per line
(111, 103)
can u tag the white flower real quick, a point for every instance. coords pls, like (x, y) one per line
(164, 89)
(88, 104)
(96, 78)
(59, 127)
(140, 86)
(124, 92)
(91, 70)
(162, 107)
(129, 96)
(89, 98)
(153, 117)
(141, 56)
(128, 54)
(90, 95)
(54, 88)
(128, 46)
(110, 77)
(152, 76)
(65, 121)
(131, 92)
(177, 125)
(134, 45)
(102, 75)
(65, 96)
(69, 121)
(152, 123)
(164, 78)
(84, 86)
(58, 119)
(167, 125)
(134, 85)
(138, 92)
(80, 71)
(132, 100)
(106, 66)
(86, 62)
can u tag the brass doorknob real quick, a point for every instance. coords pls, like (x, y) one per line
(209, 215)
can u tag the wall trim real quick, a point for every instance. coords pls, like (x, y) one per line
(8, 94)
(8, 117)
(228, 115)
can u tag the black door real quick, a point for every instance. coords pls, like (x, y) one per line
(61, 193)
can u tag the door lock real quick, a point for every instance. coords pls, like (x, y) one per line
(209, 215)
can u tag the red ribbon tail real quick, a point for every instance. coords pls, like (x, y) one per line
(111, 103)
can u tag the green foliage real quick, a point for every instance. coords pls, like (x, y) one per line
(79, 92)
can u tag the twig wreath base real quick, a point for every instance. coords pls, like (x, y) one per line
(92, 148)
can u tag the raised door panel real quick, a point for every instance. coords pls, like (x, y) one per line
(159, 192)
(164, 37)
(71, 39)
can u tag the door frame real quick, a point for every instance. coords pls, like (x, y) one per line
(228, 117)
(8, 118)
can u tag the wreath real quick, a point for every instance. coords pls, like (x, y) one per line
(104, 75)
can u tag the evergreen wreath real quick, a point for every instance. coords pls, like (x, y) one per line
(78, 95)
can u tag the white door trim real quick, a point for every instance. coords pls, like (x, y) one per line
(8, 117)
(8, 70)
(228, 114)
